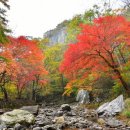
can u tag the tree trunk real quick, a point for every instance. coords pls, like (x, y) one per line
(19, 93)
(62, 81)
(33, 91)
(5, 93)
(124, 84)
(3, 89)
(33, 95)
(114, 66)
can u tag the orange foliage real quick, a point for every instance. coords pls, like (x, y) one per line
(24, 61)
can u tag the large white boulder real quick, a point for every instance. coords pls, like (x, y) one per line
(83, 97)
(112, 108)
(17, 116)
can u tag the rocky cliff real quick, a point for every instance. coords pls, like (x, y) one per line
(57, 35)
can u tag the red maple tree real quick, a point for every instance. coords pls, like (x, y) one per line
(97, 48)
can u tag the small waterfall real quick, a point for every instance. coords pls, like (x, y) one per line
(83, 97)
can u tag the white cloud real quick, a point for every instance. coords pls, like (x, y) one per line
(34, 17)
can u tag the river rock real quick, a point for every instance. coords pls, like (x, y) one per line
(17, 116)
(3, 126)
(101, 121)
(113, 123)
(70, 113)
(91, 115)
(44, 122)
(83, 97)
(111, 108)
(50, 127)
(31, 109)
(128, 123)
(37, 128)
(19, 127)
(65, 107)
(59, 113)
(59, 120)
(10, 128)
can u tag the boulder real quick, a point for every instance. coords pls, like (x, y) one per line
(17, 116)
(31, 109)
(111, 108)
(65, 107)
(83, 97)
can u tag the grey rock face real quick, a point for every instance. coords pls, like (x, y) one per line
(112, 108)
(83, 97)
(31, 109)
(57, 35)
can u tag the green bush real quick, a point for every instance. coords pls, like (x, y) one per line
(117, 89)
(126, 113)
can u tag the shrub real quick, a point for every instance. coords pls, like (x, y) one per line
(126, 111)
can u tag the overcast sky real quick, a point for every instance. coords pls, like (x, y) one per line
(34, 17)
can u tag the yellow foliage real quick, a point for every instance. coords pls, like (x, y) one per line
(11, 89)
(88, 88)
(77, 84)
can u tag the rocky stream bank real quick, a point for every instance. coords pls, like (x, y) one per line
(74, 116)
(64, 117)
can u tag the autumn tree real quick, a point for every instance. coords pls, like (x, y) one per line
(24, 66)
(7, 68)
(30, 62)
(101, 47)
